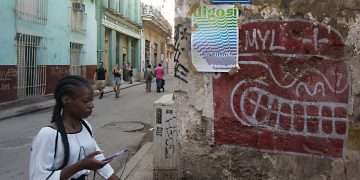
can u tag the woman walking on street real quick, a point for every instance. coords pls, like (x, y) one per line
(117, 80)
(159, 74)
(66, 149)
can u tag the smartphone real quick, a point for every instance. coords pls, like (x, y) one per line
(115, 155)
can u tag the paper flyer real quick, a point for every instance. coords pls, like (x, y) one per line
(214, 39)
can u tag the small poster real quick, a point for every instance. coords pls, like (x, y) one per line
(214, 39)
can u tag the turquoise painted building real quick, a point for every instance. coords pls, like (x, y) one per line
(43, 41)
(119, 35)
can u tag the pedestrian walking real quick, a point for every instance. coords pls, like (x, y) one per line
(117, 80)
(66, 149)
(160, 82)
(100, 79)
(149, 75)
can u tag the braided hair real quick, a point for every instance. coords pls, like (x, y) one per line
(66, 86)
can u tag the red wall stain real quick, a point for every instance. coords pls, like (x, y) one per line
(53, 74)
(8, 79)
(291, 93)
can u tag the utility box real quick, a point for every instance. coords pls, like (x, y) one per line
(165, 139)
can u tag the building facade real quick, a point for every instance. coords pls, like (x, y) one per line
(119, 35)
(158, 44)
(38, 47)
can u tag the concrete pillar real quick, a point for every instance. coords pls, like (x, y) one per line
(142, 51)
(121, 42)
(131, 8)
(138, 55)
(129, 51)
(137, 9)
(126, 8)
(100, 44)
(112, 53)
(165, 135)
(100, 31)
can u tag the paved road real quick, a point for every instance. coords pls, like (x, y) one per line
(111, 118)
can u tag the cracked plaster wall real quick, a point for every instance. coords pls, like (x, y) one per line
(202, 159)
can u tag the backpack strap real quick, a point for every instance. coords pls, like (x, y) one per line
(86, 126)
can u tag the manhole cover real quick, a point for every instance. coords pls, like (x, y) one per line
(126, 126)
(8, 144)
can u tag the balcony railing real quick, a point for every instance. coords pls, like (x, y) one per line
(78, 17)
(154, 14)
(35, 11)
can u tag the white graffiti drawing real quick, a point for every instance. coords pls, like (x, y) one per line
(296, 80)
(8, 75)
(250, 119)
(318, 88)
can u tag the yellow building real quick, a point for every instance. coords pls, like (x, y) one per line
(157, 36)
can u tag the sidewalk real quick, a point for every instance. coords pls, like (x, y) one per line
(34, 104)
(140, 166)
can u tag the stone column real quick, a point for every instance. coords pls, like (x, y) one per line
(129, 52)
(112, 54)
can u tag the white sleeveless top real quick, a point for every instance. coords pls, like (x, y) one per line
(81, 144)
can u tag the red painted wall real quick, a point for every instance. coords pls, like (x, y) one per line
(291, 93)
(8, 79)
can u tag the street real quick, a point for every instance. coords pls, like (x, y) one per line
(117, 124)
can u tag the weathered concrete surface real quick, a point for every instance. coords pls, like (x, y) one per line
(204, 157)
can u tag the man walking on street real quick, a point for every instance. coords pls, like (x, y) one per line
(100, 78)
(159, 74)
(148, 78)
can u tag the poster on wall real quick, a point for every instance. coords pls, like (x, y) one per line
(214, 38)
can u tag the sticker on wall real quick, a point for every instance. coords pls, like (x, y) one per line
(292, 93)
(214, 38)
(231, 2)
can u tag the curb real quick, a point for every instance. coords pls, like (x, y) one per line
(26, 109)
(135, 160)
(31, 108)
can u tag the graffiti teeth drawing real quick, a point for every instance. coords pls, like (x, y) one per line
(296, 95)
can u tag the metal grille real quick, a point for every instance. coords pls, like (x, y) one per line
(32, 10)
(147, 52)
(31, 57)
(76, 55)
(155, 50)
(78, 16)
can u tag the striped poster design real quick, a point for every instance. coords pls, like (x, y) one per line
(214, 39)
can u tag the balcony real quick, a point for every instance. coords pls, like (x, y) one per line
(113, 7)
(154, 16)
(78, 17)
(35, 11)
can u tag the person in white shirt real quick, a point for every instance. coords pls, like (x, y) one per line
(66, 149)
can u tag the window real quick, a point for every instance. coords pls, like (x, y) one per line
(155, 53)
(113, 5)
(78, 16)
(75, 58)
(31, 71)
(147, 52)
(32, 10)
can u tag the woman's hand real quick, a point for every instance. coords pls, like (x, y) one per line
(91, 163)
